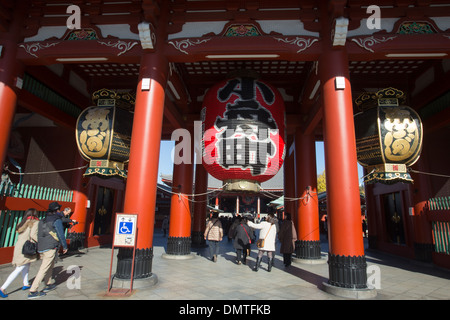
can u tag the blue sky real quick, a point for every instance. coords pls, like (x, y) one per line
(166, 162)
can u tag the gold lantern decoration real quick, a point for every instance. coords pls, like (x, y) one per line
(103, 133)
(388, 136)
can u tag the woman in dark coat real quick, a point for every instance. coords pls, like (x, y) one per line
(242, 240)
(287, 237)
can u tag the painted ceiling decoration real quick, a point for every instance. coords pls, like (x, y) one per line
(207, 40)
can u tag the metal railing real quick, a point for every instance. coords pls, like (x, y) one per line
(440, 223)
(440, 203)
(9, 218)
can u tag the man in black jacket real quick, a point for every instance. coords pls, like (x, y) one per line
(50, 236)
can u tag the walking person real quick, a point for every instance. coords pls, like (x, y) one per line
(242, 240)
(27, 229)
(165, 225)
(50, 237)
(214, 234)
(232, 228)
(267, 235)
(364, 225)
(287, 237)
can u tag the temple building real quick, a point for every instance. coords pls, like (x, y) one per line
(89, 90)
(233, 203)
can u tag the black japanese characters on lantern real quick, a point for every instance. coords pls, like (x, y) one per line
(244, 131)
(103, 133)
(388, 136)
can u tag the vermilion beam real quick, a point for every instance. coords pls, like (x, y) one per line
(306, 188)
(200, 204)
(347, 265)
(140, 195)
(9, 70)
(80, 198)
(179, 241)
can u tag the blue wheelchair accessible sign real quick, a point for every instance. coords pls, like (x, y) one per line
(125, 233)
(125, 227)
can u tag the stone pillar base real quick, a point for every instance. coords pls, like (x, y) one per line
(347, 271)
(322, 260)
(178, 256)
(142, 263)
(307, 249)
(150, 281)
(179, 246)
(367, 293)
(76, 240)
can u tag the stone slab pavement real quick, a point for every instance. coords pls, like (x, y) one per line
(84, 276)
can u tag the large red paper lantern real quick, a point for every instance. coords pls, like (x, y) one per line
(244, 133)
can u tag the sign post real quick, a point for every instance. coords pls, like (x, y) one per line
(125, 233)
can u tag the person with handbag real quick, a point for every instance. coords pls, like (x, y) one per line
(50, 237)
(266, 241)
(214, 234)
(287, 237)
(27, 230)
(242, 240)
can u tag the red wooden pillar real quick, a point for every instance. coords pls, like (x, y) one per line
(346, 259)
(258, 206)
(10, 68)
(179, 240)
(423, 239)
(308, 243)
(200, 205)
(289, 185)
(77, 234)
(140, 193)
(217, 203)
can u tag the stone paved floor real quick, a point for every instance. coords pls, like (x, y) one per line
(201, 279)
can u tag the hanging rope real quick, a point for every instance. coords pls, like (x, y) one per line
(45, 172)
(429, 173)
(121, 171)
(308, 195)
(373, 170)
(188, 196)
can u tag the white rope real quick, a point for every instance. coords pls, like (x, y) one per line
(430, 174)
(309, 194)
(373, 170)
(45, 172)
(187, 196)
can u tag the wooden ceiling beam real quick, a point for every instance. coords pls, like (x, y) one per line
(394, 44)
(214, 49)
(173, 115)
(177, 87)
(49, 78)
(314, 117)
(34, 104)
(358, 13)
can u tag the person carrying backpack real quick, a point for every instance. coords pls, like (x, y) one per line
(50, 237)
